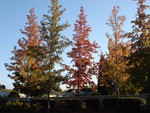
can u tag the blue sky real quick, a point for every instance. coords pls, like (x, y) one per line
(13, 18)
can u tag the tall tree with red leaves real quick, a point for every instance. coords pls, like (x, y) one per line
(81, 54)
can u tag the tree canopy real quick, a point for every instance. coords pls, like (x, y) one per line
(81, 54)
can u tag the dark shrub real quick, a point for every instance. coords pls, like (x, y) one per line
(13, 94)
(92, 104)
(62, 105)
(2, 103)
(125, 104)
(17, 105)
(74, 105)
(43, 104)
(36, 107)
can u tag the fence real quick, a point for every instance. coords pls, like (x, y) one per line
(95, 101)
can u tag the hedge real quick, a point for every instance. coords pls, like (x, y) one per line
(125, 104)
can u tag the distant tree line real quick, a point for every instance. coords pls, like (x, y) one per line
(2, 86)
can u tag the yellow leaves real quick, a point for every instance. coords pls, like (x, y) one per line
(115, 63)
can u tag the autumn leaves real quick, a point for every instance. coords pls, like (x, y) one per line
(35, 58)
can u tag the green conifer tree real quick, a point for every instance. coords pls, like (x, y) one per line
(55, 44)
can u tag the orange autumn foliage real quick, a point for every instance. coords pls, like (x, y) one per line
(81, 55)
(25, 65)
